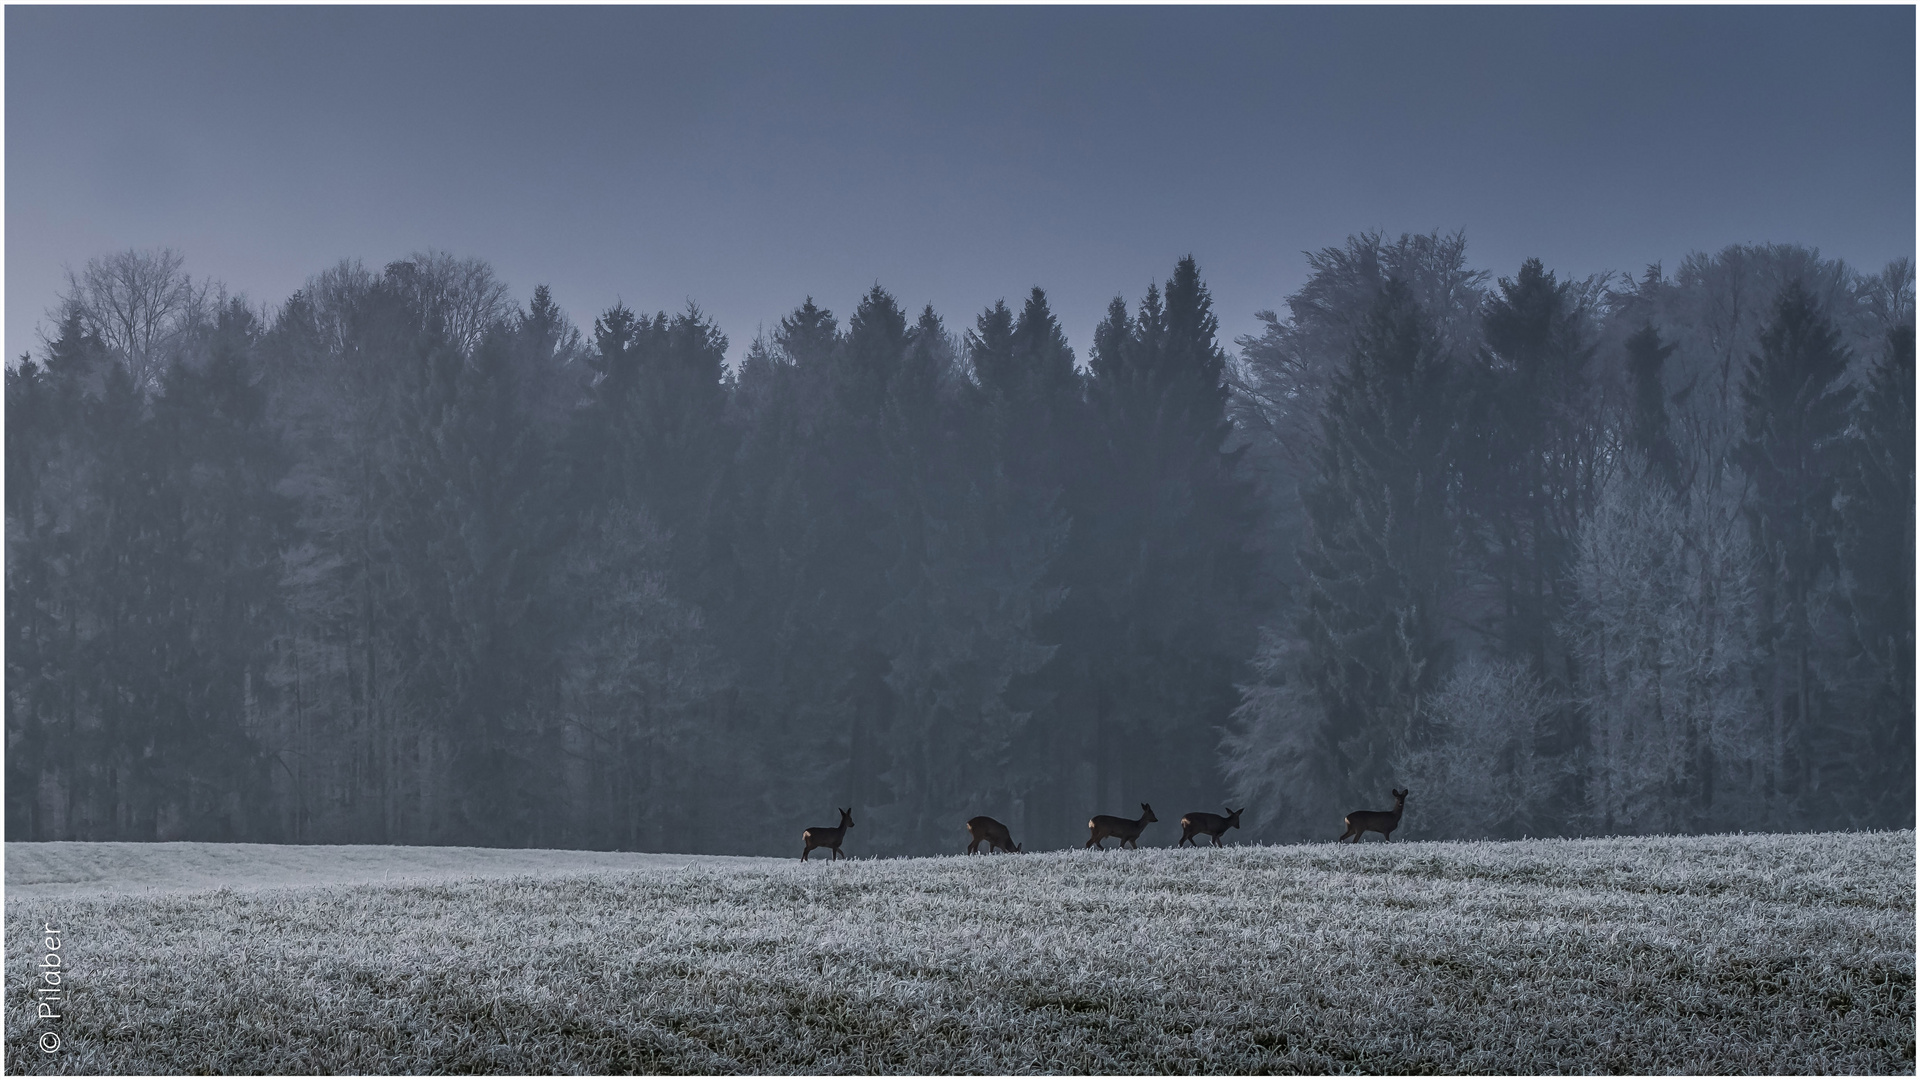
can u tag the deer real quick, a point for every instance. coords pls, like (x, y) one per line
(820, 836)
(1361, 822)
(1198, 824)
(985, 830)
(1121, 829)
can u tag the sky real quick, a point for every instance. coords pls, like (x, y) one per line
(747, 158)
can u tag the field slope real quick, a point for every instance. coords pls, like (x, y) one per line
(1753, 954)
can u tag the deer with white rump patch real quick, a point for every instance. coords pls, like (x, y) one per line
(821, 836)
(1198, 824)
(1121, 829)
(985, 830)
(1361, 822)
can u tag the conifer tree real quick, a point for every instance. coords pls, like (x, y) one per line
(1530, 475)
(1382, 543)
(1877, 554)
(1162, 574)
(1646, 357)
(1795, 411)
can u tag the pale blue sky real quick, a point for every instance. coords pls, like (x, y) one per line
(747, 157)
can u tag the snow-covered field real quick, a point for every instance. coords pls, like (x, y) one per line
(1703, 954)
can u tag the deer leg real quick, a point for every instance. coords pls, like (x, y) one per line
(1216, 841)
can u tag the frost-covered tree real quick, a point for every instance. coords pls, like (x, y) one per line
(1665, 633)
(1873, 731)
(1277, 751)
(1714, 307)
(1283, 375)
(1484, 769)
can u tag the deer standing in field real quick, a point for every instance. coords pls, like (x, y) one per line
(820, 836)
(1198, 824)
(985, 830)
(1361, 822)
(1121, 829)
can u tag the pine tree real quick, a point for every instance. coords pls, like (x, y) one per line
(809, 335)
(1381, 544)
(1796, 410)
(1646, 356)
(1025, 431)
(1162, 577)
(1531, 464)
(227, 523)
(990, 351)
(1876, 552)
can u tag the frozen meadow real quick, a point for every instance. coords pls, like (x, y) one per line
(1745, 954)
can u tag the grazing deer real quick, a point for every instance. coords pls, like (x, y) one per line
(1198, 824)
(1383, 822)
(1121, 829)
(985, 830)
(820, 836)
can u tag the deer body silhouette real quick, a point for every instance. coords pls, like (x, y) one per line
(1121, 829)
(1361, 822)
(985, 830)
(1198, 824)
(821, 836)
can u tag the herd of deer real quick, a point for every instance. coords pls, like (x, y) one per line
(985, 830)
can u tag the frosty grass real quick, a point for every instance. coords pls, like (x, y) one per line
(1744, 954)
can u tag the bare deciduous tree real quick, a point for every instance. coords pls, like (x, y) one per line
(461, 295)
(141, 304)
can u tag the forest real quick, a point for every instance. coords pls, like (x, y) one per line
(408, 559)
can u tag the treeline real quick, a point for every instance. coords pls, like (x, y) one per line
(403, 561)
(1604, 556)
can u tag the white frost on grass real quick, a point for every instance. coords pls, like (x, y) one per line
(73, 869)
(1699, 954)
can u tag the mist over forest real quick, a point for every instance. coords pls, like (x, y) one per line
(408, 558)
